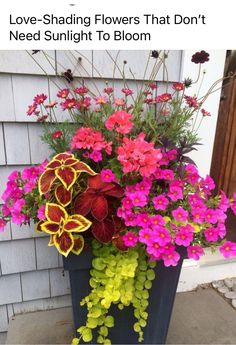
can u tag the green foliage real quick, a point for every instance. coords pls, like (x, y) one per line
(120, 278)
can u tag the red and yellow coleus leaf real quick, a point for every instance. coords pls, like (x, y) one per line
(63, 195)
(62, 228)
(65, 168)
(78, 244)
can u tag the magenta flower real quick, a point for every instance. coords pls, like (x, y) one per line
(224, 202)
(41, 212)
(210, 216)
(96, 156)
(211, 234)
(198, 215)
(184, 237)
(207, 184)
(127, 91)
(155, 250)
(130, 239)
(143, 219)
(180, 214)
(138, 199)
(2, 224)
(195, 252)
(228, 249)
(168, 174)
(171, 259)
(175, 193)
(157, 220)
(161, 236)
(121, 120)
(221, 230)
(127, 203)
(145, 236)
(160, 202)
(107, 175)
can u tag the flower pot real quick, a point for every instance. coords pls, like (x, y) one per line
(161, 301)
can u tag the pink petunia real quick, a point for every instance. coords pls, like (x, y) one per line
(180, 214)
(171, 259)
(195, 252)
(130, 239)
(168, 174)
(107, 175)
(211, 234)
(160, 202)
(184, 237)
(143, 219)
(138, 199)
(96, 156)
(162, 236)
(155, 250)
(198, 215)
(175, 193)
(228, 249)
(210, 216)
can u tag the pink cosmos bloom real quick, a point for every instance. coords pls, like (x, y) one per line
(96, 156)
(178, 86)
(175, 193)
(210, 216)
(228, 249)
(63, 93)
(127, 91)
(81, 90)
(160, 202)
(107, 175)
(185, 236)
(153, 86)
(121, 120)
(205, 113)
(2, 224)
(171, 259)
(138, 155)
(191, 102)
(108, 90)
(84, 103)
(162, 236)
(120, 102)
(31, 109)
(194, 252)
(39, 99)
(138, 199)
(130, 239)
(211, 234)
(88, 139)
(180, 214)
(165, 97)
(69, 103)
(41, 212)
(101, 100)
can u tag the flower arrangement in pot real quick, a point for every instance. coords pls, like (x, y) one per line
(120, 186)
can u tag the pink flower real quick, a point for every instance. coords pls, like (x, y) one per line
(172, 155)
(126, 202)
(63, 93)
(191, 102)
(84, 103)
(211, 234)
(41, 213)
(157, 220)
(162, 236)
(101, 100)
(144, 186)
(31, 173)
(194, 252)
(31, 109)
(171, 259)
(210, 216)
(224, 202)
(2, 224)
(87, 138)
(130, 219)
(205, 113)
(121, 119)
(81, 90)
(107, 175)
(198, 215)
(233, 208)
(165, 97)
(57, 134)
(178, 86)
(108, 90)
(127, 91)
(168, 174)
(138, 199)
(160, 202)
(69, 103)
(221, 230)
(5, 210)
(39, 99)
(138, 155)
(96, 156)
(180, 214)
(185, 236)
(13, 176)
(207, 184)
(155, 250)
(175, 193)
(143, 219)
(18, 217)
(130, 239)
(145, 236)
(228, 249)
(119, 102)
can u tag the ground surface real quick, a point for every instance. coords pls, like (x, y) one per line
(199, 317)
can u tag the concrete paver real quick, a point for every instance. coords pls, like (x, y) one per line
(199, 317)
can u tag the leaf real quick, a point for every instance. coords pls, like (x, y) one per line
(103, 231)
(109, 321)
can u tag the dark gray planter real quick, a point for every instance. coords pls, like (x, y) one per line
(161, 301)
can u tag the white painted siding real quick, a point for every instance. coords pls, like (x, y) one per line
(31, 275)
